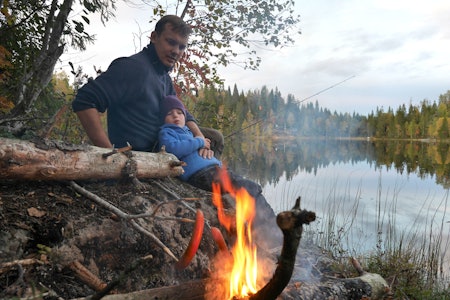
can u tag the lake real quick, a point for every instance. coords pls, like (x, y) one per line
(367, 195)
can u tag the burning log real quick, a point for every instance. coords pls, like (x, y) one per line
(47, 160)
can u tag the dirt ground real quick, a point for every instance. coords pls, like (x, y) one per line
(54, 225)
(48, 226)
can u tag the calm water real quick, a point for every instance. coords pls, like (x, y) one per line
(364, 200)
(366, 194)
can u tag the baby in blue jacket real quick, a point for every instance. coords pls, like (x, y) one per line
(200, 171)
(179, 140)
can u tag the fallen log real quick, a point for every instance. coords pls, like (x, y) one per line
(50, 160)
(367, 286)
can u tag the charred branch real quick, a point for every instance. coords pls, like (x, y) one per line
(291, 223)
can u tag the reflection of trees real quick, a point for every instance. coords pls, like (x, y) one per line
(266, 161)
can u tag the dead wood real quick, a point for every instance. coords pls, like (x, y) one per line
(86, 276)
(191, 290)
(368, 286)
(49, 160)
(291, 224)
(123, 215)
(6, 266)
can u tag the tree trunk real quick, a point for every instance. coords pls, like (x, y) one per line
(38, 75)
(45, 160)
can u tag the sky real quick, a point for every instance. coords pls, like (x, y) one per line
(352, 56)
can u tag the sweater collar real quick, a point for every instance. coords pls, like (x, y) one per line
(154, 59)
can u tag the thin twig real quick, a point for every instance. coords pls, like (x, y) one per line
(182, 200)
(119, 279)
(154, 238)
(122, 215)
(173, 201)
(6, 266)
(175, 195)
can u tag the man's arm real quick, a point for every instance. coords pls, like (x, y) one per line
(205, 152)
(90, 120)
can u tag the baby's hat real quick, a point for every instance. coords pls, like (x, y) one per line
(170, 102)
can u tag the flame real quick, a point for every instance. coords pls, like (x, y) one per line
(243, 267)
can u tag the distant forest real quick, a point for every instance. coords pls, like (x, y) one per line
(261, 113)
(265, 112)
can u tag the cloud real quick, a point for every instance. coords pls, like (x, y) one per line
(396, 50)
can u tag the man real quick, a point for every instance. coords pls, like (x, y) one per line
(131, 92)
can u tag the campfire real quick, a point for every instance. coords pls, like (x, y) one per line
(239, 266)
(237, 271)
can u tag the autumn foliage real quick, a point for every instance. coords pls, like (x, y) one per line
(5, 65)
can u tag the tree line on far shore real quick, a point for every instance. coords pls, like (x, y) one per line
(260, 112)
(266, 112)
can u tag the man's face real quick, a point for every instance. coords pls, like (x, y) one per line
(169, 45)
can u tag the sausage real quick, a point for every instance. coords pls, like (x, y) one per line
(218, 238)
(197, 234)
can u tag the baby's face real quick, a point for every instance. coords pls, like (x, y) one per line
(175, 116)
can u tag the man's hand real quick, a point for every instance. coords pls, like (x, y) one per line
(206, 152)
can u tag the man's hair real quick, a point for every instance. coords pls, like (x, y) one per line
(178, 25)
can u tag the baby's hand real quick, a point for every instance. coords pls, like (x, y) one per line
(207, 143)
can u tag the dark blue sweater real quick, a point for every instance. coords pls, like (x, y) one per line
(181, 142)
(130, 91)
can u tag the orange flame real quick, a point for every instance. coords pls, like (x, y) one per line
(244, 266)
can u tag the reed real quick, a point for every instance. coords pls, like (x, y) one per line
(414, 260)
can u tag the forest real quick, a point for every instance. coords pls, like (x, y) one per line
(266, 112)
(35, 100)
(260, 113)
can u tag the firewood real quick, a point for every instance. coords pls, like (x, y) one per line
(50, 160)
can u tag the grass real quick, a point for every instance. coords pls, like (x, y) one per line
(414, 261)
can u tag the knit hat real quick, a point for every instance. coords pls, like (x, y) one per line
(170, 102)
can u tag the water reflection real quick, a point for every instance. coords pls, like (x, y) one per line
(267, 161)
(367, 195)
